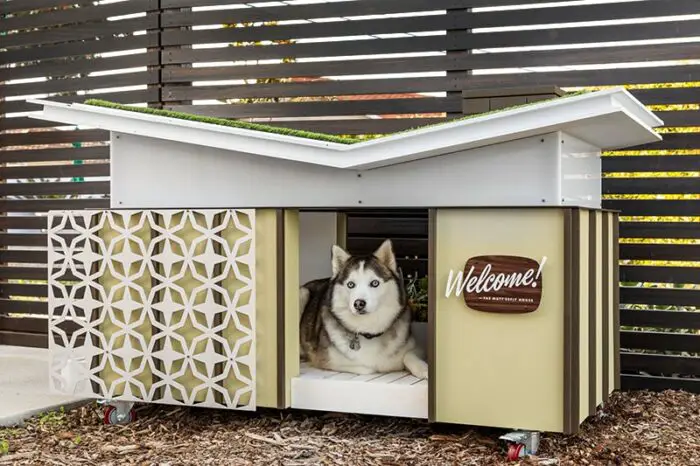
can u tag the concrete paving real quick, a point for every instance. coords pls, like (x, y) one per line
(24, 385)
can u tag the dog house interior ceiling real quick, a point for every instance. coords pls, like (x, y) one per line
(548, 153)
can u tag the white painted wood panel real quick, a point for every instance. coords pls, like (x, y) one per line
(394, 394)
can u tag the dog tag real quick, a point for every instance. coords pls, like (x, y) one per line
(355, 343)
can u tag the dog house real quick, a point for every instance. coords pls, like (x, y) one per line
(186, 290)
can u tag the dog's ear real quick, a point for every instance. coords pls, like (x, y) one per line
(385, 254)
(338, 258)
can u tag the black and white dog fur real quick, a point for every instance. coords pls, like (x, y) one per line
(358, 320)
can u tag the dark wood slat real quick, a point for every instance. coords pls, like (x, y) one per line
(413, 267)
(55, 155)
(641, 382)
(314, 89)
(79, 84)
(336, 68)
(387, 213)
(679, 230)
(55, 171)
(650, 274)
(654, 208)
(28, 5)
(83, 14)
(79, 49)
(660, 341)
(391, 227)
(650, 163)
(659, 364)
(12, 289)
(603, 77)
(86, 65)
(80, 32)
(24, 324)
(23, 123)
(668, 96)
(583, 13)
(403, 247)
(660, 319)
(11, 306)
(311, 11)
(23, 257)
(23, 239)
(90, 187)
(32, 340)
(122, 97)
(357, 107)
(651, 185)
(54, 137)
(175, 36)
(22, 222)
(680, 119)
(577, 35)
(678, 252)
(174, 56)
(672, 141)
(461, 61)
(44, 205)
(439, 43)
(29, 273)
(165, 4)
(426, 23)
(659, 296)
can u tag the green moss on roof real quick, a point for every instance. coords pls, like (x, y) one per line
(223, 122)
(299, 133)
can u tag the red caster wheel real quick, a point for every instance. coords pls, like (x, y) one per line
(111, 416)
(515, 451)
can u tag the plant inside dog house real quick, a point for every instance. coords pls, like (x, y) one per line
(186, 291)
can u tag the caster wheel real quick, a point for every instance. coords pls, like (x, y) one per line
(514, 451)
(110, 416)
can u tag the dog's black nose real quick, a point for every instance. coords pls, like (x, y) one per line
(359, 304)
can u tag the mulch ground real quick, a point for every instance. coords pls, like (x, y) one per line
(634, 429)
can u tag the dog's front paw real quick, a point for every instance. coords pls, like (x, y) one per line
(416, 366)
(421, 371)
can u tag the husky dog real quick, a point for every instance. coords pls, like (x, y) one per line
(357, 320)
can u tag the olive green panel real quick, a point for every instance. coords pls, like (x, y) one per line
(266, 330)
(500, 370)
(291, 300)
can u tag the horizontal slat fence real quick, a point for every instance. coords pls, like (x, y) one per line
(364, 67)
(64, 51)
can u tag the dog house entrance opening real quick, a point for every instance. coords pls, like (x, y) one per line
(363, 343)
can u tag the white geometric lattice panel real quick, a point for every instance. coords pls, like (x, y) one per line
(153, 306)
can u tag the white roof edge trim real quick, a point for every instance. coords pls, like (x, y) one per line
(626, 100)
(200, 136)
(486, 129)
(189, 123)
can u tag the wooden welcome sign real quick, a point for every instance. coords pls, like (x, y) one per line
(501, 284)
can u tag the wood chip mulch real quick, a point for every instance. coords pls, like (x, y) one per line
(639, 428)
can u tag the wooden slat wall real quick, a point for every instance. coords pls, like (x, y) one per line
(59, 49)
(327, 71)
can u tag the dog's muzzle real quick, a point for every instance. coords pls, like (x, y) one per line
(360, 306)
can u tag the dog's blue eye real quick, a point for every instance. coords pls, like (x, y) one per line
(374, 283)
(351, 284)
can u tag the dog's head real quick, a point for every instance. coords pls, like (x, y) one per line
(365, 284)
